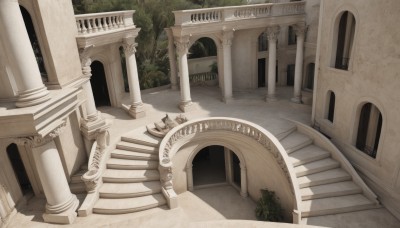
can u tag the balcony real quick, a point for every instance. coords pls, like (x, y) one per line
(237, 13)
(113, 26)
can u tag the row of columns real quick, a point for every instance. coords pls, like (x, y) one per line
(182, 47)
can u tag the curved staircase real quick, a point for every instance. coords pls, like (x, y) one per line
(328, 184)
(131, 181)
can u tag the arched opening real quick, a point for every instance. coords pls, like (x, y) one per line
(35, 43)
(262, 46)
(331, 100)
(309, 82)
(203, 62)
(123, 67)
(99, 85)
(292, 39)
(369, 129)
(290, 74)
(19, 168)
(343, 44)
(209, 166)
(236, 170)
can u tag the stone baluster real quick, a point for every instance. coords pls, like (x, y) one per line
(31, 90)
(298, 73)
(272, 35)
(227, 58)
(136, 109)
(182, 47)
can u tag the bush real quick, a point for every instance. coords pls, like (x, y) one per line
(268, 207)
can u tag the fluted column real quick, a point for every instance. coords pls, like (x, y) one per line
(61, 203)
(31, 90)
(298, 72)
(172, 60)
(227, 59)
(182, 48)
(136, 109)
(272, 35)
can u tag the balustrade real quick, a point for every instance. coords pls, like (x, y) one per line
(202, 77)
(100, 22)
(232, 13)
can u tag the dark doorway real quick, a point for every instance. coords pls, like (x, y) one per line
(34, 42)
(261, 72)
(209, 166)
(290, 75)
(19, 169)
(236, 169)
(99, 85)
(310, 76)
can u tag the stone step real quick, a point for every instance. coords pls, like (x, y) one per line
(116, 163)
(129, 176)
(308, 154)
(129, 190)
(286, 132)
(142, 139)
(136, 147)
(335, 205)
(325, 177)
(128, 205)
(78, 188)
(330, 190)
(295, 141)
(316, 167)
(124, 154)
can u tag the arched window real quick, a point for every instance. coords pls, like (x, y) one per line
(291, 36)
(263, 42)
(331, 100)
(343, 44)
(369, 129)
(309, 83)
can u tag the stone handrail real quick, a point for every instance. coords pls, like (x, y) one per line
(202, 77)
(245, 128)
(232, 13)
(101, 22)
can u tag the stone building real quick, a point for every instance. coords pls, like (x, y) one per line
(57, 68)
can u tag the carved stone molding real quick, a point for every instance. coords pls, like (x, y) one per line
(129, 47)
(300, 29)
(227, 37)
(182, 45)
(273, 32)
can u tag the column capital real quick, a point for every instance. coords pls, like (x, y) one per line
(300, 28)
(182, 45)
(38, 140)
(129, 47)
(227, 37)
(273, 32)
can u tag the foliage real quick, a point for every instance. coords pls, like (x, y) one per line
(268, 207)
(203, 47)
(151, 16)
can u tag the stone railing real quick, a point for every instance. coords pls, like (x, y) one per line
(101, 22)
(168, 149)
(232, 13)
(201, 78)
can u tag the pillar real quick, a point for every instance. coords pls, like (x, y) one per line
(298, 72)
(243, 180)
(228, 165)
(272, 35)
(227, 61)
(172, 60)
(182, 47)
(136, 109)
(31, 90)
(92, 120)
(61, 203)
(189, 173)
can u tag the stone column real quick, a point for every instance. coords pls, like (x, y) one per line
(61, 203)
(228, 165)
(92, 121)
(243, 180)
(272, 35)
(189, 173)
(172, 59)
(136, 109)
(31, 90)
(298, 72)
(182, 47)
(227, 55)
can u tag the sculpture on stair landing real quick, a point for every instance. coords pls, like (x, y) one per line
(161, 128)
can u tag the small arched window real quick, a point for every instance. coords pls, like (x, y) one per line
(292, 39)
(331, 100)
(343, 41)
(263, 42)
(369, 129)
